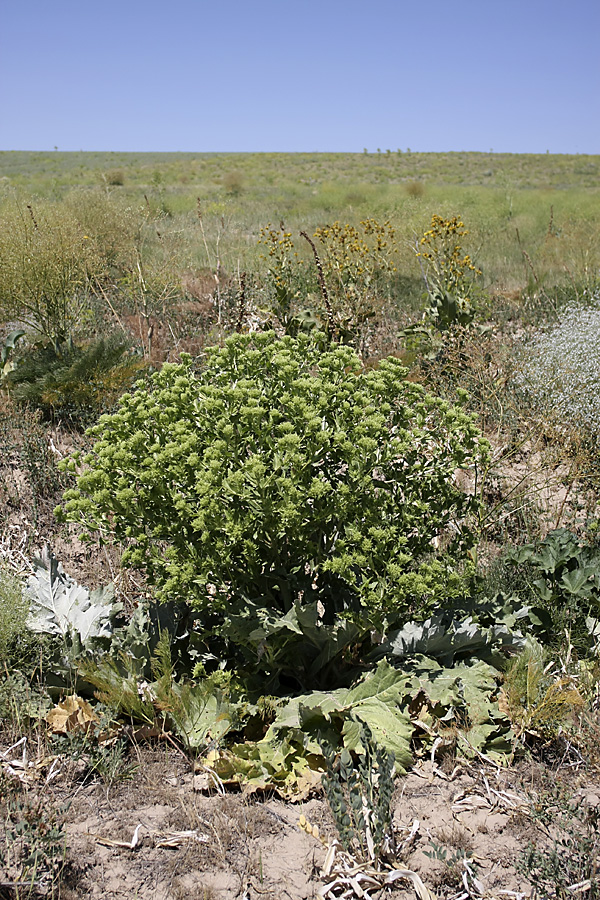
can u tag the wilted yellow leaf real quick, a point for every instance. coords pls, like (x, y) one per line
(71, 714)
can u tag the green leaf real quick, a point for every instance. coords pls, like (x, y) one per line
(446, 639)
(376, 700)
(199, 717)
(9, 344)
(284, 767)
(577, 582)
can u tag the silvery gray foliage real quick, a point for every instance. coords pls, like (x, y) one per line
(560, 368)
(62, 607)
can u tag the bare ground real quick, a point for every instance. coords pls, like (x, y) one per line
(155, 836)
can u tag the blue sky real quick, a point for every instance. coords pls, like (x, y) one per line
(517, 76)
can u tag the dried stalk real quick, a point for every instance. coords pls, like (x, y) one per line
(333, 331)
(241, 303)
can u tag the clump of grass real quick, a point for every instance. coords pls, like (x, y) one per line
(233, 182)
(539, 700)
(415, 189)
(114, 177)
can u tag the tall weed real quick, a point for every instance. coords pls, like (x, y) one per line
(48, 266)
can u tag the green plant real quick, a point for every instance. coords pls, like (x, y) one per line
(450, 858)
(415, 189)
(14, 608)
(353, 268)
(10, 343)
(112, 226)
(561, 577)
(418, 701)
(363, 860)
(355, 261)
(74, 383)
(448, 274)
(109, 761)
(73, 622)
(360, 797)
(286, 495)
(539, 700)
(23, 696)
(567, 859)
(460, 868)
(200, 713)
(286, 281)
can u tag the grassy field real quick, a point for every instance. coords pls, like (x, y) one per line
(39, 172)
(544, 205)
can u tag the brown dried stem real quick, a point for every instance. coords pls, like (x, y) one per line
(333, 331)
(241, 303)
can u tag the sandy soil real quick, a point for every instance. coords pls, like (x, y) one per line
(155, 836)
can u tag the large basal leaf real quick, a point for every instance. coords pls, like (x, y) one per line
(578, 582)
(198, 717)
(283, 766)
(462, 698)
(298, 643)
(377, 700)
(445, 640)
(60, 606)
(391, 727)
(459, 701)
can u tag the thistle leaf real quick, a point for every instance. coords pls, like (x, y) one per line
(60, 606)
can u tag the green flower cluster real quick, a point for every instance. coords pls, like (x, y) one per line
(279, 476)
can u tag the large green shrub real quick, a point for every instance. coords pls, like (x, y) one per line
(281, 490)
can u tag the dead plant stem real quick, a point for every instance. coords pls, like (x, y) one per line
(330, 318)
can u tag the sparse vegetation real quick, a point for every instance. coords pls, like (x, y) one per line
(358, 533)
(573, 858)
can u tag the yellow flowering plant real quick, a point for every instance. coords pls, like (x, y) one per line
(354, 258)
(350, 263)
(286, 281)
(449, 272)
